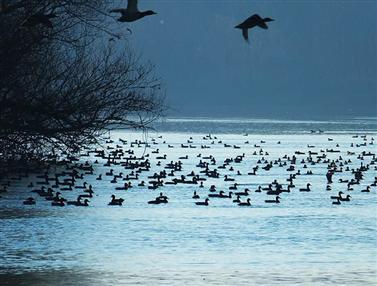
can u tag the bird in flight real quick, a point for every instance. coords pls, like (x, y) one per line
(131, 13)
(252, 22)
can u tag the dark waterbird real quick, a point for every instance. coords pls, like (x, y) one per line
(252, 22)
(205, 203)
(244, 204)
(29, 201)
(115, 202)
(131, 13)
(276, 201)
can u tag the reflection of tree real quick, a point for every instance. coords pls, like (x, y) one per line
(63, 80)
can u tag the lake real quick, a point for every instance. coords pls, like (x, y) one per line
(303, 240)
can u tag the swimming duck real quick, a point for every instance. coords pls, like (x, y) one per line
(221, 193)
(29, 201)
(154, 202)
(234, 187)
(195, 196)
(339, 196)
(244, 193)
(75, 203)
(162, 197)
(247, 203)
(367, 190)
(131, 13)
(346, 199)
(59, 203)
(226, 178)
(238, 200)
(205, 203)
(115, 202)
(307, 189)
(89, 194)
(251, 22)
(276, 201)
(84, 204)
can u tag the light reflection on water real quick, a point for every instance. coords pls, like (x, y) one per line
(304, 240)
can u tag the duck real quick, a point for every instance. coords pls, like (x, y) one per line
(247, 203)
(223, 196)
(131, 13)
(75, 203)
(221, 193)
(346, 199)
(276, 201)
(154, 202)
(307, 189)
(195, 196)
(84, 204)
(339, 196)
(244, 193)
(251, 22)
(238, 200)
(125, 187)
(89, 194)
(226, 178)
(205, 203)
(115, 202)
(59, 203)
(234, 187)
(29, 201)
(162, 197)
(367, 190)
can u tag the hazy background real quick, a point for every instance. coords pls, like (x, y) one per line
(317, 60)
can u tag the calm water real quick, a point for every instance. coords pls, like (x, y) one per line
(304, 240)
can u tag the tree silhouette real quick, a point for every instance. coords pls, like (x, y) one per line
(64, 80)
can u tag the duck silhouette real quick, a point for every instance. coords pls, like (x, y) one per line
(205, 203)
(247, 203)
(251, 22)
(131, 13)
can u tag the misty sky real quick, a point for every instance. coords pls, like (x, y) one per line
(318, 59)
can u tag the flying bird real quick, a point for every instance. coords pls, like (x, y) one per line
(252, 22)
(131, 13)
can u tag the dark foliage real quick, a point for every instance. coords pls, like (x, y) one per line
(67, 77)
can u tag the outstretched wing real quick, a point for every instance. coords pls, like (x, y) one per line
(255, 20)
(245, 34)
(262, 25)
(120, 10)
(132, 6)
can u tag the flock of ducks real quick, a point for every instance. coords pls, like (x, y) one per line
(124, 170)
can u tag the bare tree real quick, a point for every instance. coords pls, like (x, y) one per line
(63, 79)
